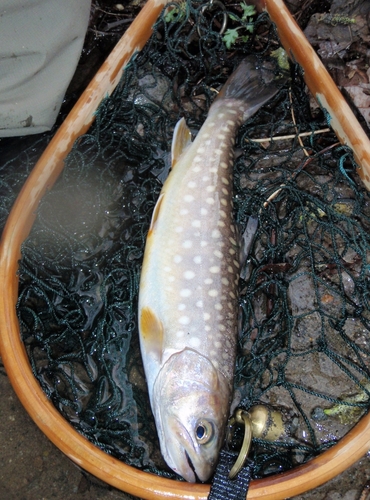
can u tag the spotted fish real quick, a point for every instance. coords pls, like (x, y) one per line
(189, 283)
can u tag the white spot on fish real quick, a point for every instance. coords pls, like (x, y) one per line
(187, 244)
(185, 292)
(179, 229)
(203, 243)
(197, 159)
(201, 150)
(208, 281)
(206, 316)
(181, 307)
(214, 269)
(184, 211)
(189, 275)
(232, 295)
(192, 184)
(188, 198)
(225, 181)
(218, 344)
(232, 241)
(224, 202)
(221, 136)
(207, 328)
(230, 122)
(177, 259)
(210, 189)
(216, 233)
(225, 281)
(211, 124)
(223, 164)
(197, 259)
(210, 201)
(167, 269)
(219, 151)
(171, 278)
(180, 334)
(213, 292)
(217, 253)
(199, 303)
(220, 115)
(221, 223)
(231, 251)
(184, 320)
(218, 306)
(203, 211)
(225, 191)
(195, 223)
(223, 213)
(194, 342)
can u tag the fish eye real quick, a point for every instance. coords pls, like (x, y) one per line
(204, 431)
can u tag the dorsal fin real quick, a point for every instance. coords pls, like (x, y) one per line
(151, 331)
(180, 141)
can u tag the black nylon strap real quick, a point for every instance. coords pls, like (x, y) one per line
(222, 487)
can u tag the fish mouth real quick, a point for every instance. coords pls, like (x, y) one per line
(179, 457)
(191, 466)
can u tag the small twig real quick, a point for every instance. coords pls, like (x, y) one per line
(295, 124)
(365, 492)
(118, 23)
(291, 136)
(273, 195)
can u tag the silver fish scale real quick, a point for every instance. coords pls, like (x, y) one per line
(200, 258)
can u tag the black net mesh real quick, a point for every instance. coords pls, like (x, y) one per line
(303, 345)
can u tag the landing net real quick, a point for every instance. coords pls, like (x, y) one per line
(303, 344)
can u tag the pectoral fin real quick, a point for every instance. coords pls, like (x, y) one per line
(151, 331)
(180, 141)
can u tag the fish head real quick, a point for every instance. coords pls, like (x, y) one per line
(190, 402)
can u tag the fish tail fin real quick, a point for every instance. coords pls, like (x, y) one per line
(248, 85)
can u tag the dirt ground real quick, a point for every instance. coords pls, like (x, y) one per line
(32, 467)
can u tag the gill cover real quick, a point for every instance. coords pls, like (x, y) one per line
(190, 404)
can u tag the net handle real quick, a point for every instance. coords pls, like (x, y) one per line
(310, 475)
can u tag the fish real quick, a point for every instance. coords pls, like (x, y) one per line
(188, 292)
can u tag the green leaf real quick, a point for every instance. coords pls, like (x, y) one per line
(249, 27)
(230, 37)
(248, 10)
